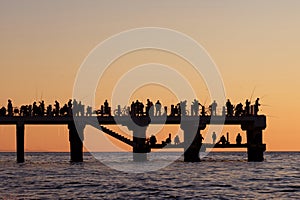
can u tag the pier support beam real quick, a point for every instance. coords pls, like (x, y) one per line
(20, 142)
(192, 141)
(139, 126)
(76, 137)
(139, 144)
(255, 148)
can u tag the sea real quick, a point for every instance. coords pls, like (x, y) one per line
(219, 175)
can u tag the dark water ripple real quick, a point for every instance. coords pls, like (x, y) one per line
(219, 176)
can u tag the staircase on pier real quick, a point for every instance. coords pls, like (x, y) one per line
(116, 135)
(112, 133)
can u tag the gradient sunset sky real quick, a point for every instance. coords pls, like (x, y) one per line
(255, 44)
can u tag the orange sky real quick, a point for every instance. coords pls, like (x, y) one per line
(254, 44)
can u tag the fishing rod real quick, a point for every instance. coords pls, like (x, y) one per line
(252, 93)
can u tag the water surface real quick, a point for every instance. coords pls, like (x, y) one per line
(218, 176)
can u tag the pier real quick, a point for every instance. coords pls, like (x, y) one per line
(191, 126)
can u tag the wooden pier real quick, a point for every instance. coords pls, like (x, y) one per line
(191, 125)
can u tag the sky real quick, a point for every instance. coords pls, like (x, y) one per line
(255, 45)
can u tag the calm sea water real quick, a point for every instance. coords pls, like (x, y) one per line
(218, 176)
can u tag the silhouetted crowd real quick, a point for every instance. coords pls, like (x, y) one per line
(41, 110)
(137, 108)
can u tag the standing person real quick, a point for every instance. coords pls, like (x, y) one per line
(203, 113)
(256, 105)
(70, 107)
(238, 139)
(57, 108)
(214, 137)
(148, 106)
(42, 108)
(182, 108)
(223, 111)
(106, 109)
(49, 110)
(229, 107)
(35, 109)
(247, 107)
(30, 110)
(158, 108)
(80, 108)
(195, 108)
(75, 107)
(176, 140)
(214, 108)
(132, 109)
(89, 111)
(9, 108)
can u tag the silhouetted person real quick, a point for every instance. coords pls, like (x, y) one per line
(75, 108)
(172, 110)
(214, 108)
(9, 108)
(203, 113)
(223, 111)
(42, 108)
(256, 105)
(151, 109)
(239, 109)
(3, 111)
(229, 107)
(64, 110)
(136, 107)
(168, 140)
(148, 106)
(70, 107)
(70, 103)
(57, 108)
(89, 111)
(165, 110)
(195, 108)
(81, 108)
(24, 110)
(141, 109)
(49, 110)
(158, 108)
(176, 140)
(153, 140)
(182, 107)
(214, 137)
(176, 110)
(132, 109)
(247, 107)
(30, 110)
(238, 139)
(106, 107)
(223, 140)
(35, 109)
